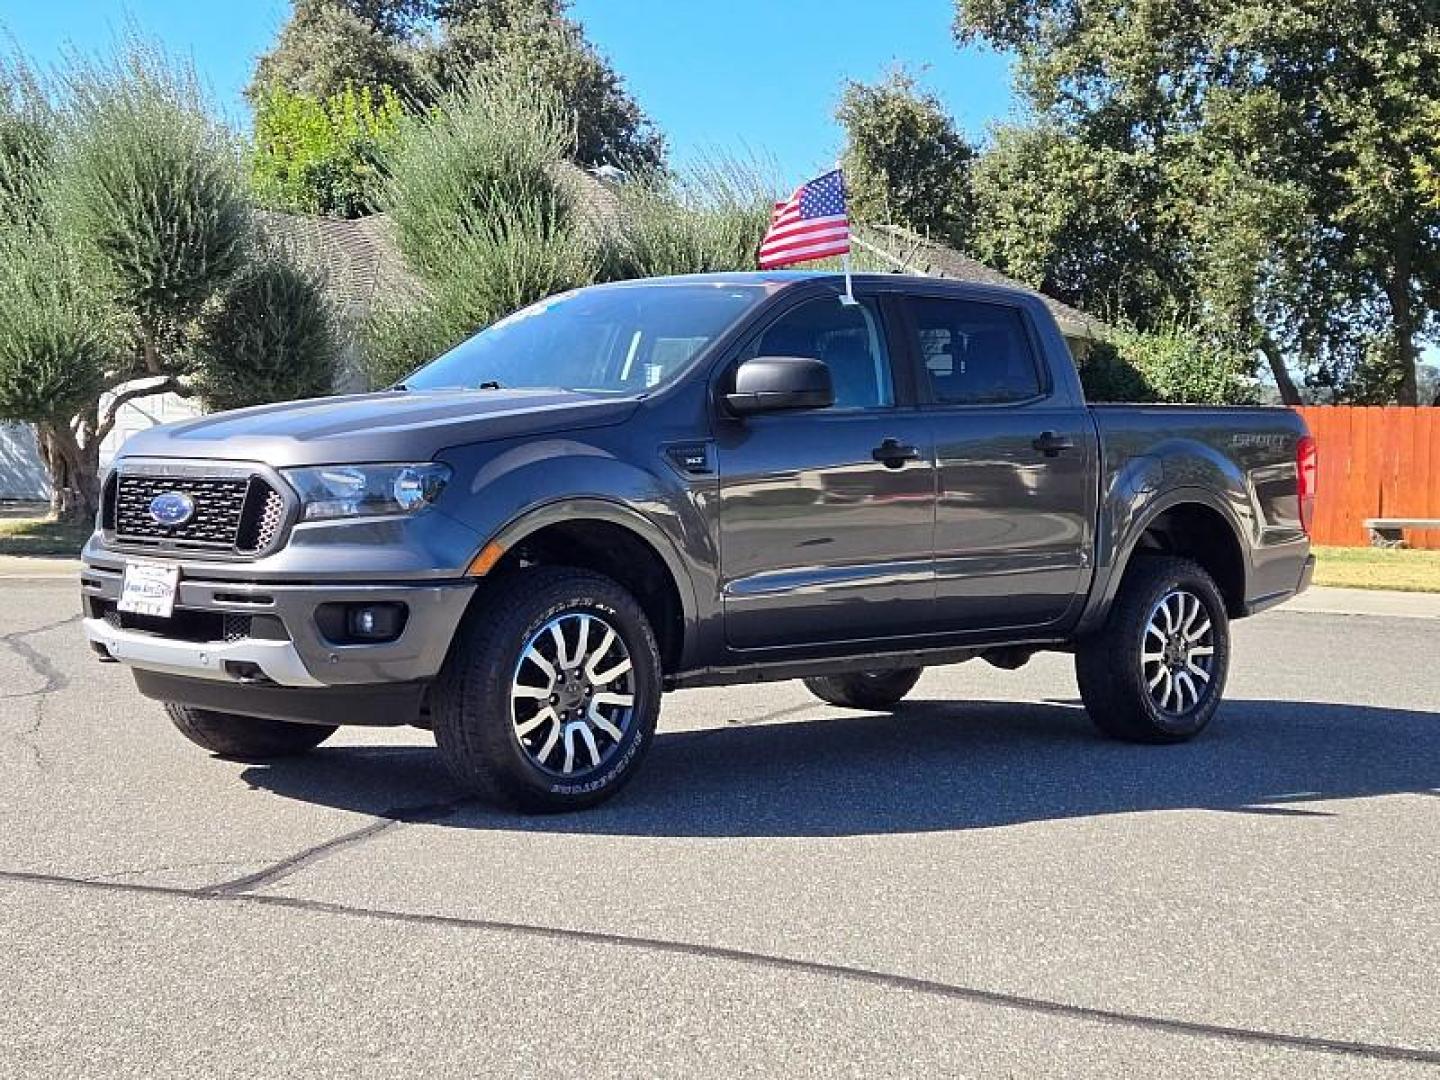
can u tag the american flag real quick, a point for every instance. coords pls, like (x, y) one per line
(811, 224)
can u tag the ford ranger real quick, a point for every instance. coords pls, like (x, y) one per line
(648, 485)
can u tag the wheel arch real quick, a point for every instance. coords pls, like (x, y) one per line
(1188, 522)
(611, 539)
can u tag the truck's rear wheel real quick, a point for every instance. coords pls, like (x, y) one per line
(549, 697)
(246, 738)
(865, 689)
(1156, 672)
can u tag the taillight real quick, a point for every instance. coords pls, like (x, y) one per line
(1306, 467)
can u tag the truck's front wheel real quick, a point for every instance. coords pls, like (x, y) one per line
(549, 697)
(1155, 673)
(246, 738)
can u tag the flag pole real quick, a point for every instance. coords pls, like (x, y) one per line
(849, 298)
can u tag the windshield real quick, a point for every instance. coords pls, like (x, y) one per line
(616, 341)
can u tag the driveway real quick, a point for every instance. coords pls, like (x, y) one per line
(976, 885)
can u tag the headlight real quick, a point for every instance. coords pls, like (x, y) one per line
(341, 491)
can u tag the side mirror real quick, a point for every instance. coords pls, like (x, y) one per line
(780, 383)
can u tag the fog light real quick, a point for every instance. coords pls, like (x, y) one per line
(375, 622)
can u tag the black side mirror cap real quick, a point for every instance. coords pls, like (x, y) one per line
(780, 384)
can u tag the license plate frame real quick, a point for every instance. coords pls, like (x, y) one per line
(149, 588)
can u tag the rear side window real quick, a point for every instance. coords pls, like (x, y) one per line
(975, 353)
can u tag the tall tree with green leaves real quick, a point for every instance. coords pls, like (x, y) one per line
(323, 157)
(122, 222)
(327, 46)
(424, 48)
(1288, 147)
(905, 162)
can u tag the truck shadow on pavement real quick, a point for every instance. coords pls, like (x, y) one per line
(928, 766)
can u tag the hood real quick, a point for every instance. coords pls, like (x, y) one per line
(388, 426)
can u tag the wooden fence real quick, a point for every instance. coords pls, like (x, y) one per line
(1375, 462)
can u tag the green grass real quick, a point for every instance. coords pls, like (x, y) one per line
(41, 536)
(1378, 568)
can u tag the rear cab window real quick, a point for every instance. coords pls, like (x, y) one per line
(974, 353)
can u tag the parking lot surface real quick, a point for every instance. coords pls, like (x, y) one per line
(975, 885)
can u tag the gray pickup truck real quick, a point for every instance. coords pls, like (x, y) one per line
(692, 481)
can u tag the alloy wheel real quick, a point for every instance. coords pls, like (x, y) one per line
(573, 694)
(1177, 653)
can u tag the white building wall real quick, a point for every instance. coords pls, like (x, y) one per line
(21, 474)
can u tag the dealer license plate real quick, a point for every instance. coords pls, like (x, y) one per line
(149, 589)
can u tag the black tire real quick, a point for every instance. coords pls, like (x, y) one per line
(865, 689)
(246, 738)
(471, 704)
(1111, 666)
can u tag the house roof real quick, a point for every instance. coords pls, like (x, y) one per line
(359, 258)
(915, 254)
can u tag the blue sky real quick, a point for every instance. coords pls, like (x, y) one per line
(758, 74)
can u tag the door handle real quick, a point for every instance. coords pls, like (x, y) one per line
(1050, 444)
(892, 453)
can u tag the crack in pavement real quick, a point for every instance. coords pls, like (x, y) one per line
(52, 677)
(291, 864)
(840, 972)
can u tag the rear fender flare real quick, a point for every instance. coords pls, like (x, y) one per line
(1107, 579)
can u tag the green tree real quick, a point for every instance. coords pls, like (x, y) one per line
(905, 162)
(127, 224)
(151, 191)
(269, 336)
(1304, 129)
(537, 37)
(424, 48)
(1174, 364)
(327, 46)
(314, 157)
(709, 218)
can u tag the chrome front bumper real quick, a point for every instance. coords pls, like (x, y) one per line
(304, 658)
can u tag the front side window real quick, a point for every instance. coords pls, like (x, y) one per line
(617, 340)
(847, 337)
(975, 353)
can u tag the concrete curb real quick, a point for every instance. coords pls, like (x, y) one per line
(38, 568)
(1322, 600)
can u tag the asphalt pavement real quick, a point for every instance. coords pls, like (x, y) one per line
(974, 885)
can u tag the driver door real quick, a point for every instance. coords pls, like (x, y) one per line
(827, 516)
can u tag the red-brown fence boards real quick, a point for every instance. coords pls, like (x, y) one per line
(1375, 462)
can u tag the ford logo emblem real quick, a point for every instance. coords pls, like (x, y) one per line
(172, 508)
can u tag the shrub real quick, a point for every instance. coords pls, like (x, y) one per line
(1174, 365)
(270, 336)
(323, 157)
(54, 332)
(487, 151)
(483, 215)
(151, 188)
(710, 219)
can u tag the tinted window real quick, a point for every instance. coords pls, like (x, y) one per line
(619, 340)
(848, 338)
(973, 353)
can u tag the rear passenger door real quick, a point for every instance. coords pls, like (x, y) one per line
(1015, 456)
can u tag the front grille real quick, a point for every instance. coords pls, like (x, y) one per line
(240, 514)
